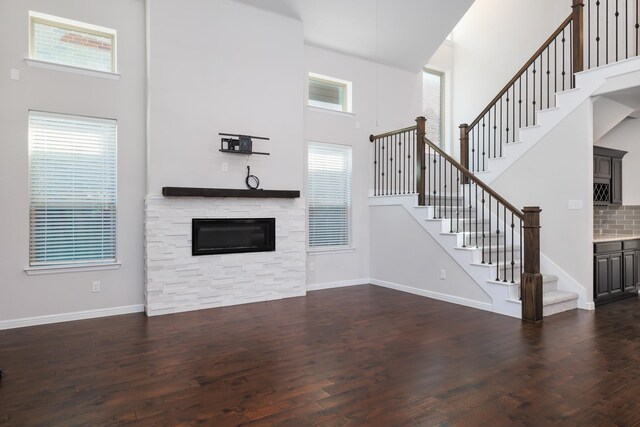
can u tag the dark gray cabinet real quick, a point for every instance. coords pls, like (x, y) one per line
(616, 181)
(615, 270)
(601, 277)
(607, 176)
(601, 166)
(629, 270)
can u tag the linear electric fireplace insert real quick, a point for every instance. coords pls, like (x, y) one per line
(229, 235)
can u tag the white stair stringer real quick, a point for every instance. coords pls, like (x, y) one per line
(504, 295)
(588, 83)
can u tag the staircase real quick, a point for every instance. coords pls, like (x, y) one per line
(496, 243)
(588, 83)
(489, 265)
(494, 262)
(598, 41)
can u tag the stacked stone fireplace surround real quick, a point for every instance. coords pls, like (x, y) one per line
(176, 281)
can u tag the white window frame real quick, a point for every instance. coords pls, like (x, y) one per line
(69, 24)
(75, 265)
(332, 248)
(347, 86)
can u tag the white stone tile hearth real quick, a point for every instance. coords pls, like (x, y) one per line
(177, 281)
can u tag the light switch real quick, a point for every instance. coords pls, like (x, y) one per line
(14, 74)
(575, 205)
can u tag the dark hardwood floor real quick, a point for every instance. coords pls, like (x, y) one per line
(354, 356)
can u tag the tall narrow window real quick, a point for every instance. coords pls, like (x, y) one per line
(329, 93)
(67, 42)
(433, 104)
(329, 178)
(72, 166)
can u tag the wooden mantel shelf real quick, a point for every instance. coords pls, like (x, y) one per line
(228, 192)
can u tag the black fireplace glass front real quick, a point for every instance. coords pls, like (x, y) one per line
(233, 235)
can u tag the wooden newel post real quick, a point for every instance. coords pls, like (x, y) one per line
(464, 149)
(578, 36)
(420, 160)
(531, 280)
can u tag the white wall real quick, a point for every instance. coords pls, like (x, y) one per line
(492, 41)
(557, 169)
(221, 66)
(384, 99)
(625, 137)
(23, 296)
(405, 254)
(607, 114)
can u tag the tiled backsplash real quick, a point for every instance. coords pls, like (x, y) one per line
(618, 220)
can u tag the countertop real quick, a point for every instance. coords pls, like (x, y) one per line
(601, 238)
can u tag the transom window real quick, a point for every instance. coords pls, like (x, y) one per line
(329, 93)
(73, 43)
(72, 175)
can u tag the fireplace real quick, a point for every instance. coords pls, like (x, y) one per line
(230, 235)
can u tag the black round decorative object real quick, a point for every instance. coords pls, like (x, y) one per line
(252, 181)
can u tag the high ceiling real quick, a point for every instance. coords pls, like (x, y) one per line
(400, 33)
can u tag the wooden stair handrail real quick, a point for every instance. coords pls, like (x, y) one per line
(394, 132)
(522, 69)
(467, 173)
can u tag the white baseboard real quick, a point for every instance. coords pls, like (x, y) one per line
(67, 317)
(435, 295)
(340, 284)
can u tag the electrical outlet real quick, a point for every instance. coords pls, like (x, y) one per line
(14, 74)
(225, 167)
(357, 125)
(443, 274)
(95, 286)
(312, 266)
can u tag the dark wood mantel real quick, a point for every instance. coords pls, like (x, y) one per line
(228, 192)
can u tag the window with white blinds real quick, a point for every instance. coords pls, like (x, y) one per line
(73, 189)
(329, 181)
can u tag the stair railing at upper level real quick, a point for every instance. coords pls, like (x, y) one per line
(406, 162)
(533, 87)
(611, 29)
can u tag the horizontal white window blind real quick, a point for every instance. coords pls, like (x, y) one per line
(329, 181)
(73, 189)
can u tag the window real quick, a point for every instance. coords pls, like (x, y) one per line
(329, 93)
(72, 208)
(433, 104)
(329, 196)
(67, 42)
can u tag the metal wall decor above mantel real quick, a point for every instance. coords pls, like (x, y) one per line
(239, 144)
